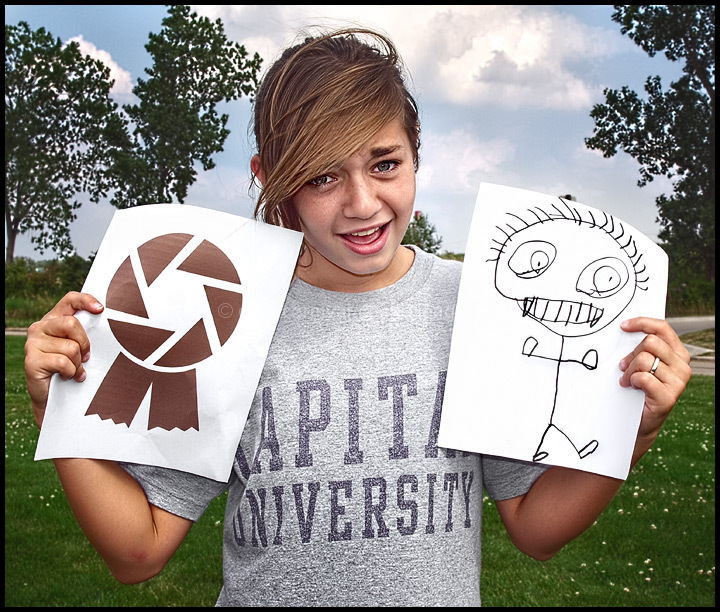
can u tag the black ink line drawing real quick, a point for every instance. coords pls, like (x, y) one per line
(571, 292)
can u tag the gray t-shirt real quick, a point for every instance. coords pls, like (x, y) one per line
(339, 494)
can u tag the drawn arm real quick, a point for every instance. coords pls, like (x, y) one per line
(589, 360)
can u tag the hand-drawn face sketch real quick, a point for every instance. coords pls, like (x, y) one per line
(536, 344)
(572, 292)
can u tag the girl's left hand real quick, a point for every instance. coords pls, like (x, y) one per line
(663, 386)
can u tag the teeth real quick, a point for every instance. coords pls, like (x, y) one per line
(365, 233)
(527, 304)
(561, 311)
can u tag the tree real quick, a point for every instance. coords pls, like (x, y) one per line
(176, 124)
(58, 117)
(422, 233)
(670, 133)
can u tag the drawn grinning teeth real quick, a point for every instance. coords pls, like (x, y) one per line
(526, 305)
(560, 311)
(578, 316)
(595, 314)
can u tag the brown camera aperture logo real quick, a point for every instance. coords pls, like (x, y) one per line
(152, 348)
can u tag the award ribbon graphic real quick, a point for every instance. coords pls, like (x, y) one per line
(173, 400)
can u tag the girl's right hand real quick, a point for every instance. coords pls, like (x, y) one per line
(57, 344)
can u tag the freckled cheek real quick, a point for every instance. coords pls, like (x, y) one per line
(399, 194)
(406, 205)
(316, 217)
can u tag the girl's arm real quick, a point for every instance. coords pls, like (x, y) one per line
(135, 538)
(564, 502)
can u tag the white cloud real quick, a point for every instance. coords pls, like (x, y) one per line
(515, 56)
(458, 161)
(510, 55)
(122, 86)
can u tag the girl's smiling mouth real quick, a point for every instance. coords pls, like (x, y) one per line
(368, 241)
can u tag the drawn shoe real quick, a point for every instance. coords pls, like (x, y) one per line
(540, 455)
(588, 449)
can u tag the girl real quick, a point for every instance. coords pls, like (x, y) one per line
(339, 493)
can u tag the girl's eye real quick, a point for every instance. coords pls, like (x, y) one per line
(386, 166)
(383, 167)
(319, 181)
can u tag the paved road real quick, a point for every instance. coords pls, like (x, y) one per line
(703, 366)
(685, 325)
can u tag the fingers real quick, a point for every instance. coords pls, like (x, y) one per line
(661, 341)
(57, 344)
(72, 302)
(642, 359)
(659, 366)
(61, 334)
(672, 372)
(660, 328)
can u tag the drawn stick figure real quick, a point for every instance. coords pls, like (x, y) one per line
(574, 274)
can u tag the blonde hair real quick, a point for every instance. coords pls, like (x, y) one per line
(317, 105)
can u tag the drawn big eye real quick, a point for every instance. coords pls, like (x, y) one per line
(603, 277)
(532, 258)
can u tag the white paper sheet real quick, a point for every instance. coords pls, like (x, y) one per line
(533, 371)
(192, 297)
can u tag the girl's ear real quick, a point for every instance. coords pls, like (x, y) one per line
(256, 168)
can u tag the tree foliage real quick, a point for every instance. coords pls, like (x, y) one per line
(58, 116)
(30, 279)
(176, 124)
(65, 137)
(422, 233)
(670, 132)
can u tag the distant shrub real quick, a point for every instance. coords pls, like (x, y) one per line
(33, 287)
(26, 278)
(691, 297)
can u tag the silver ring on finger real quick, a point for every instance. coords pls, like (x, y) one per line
(655, 365)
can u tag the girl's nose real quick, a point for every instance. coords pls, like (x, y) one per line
(361, 200)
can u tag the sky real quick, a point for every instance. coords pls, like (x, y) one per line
(505, 94)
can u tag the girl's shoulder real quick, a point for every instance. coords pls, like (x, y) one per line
(441, 264)
(438, 271)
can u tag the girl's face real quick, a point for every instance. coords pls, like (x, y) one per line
(354, 217)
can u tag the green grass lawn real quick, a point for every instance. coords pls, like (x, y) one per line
(48, 560)
(653, 546)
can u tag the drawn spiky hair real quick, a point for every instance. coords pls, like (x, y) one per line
(611, 226)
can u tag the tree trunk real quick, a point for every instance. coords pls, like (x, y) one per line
(10, 246)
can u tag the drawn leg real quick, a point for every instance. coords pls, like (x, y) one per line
(541, 455)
